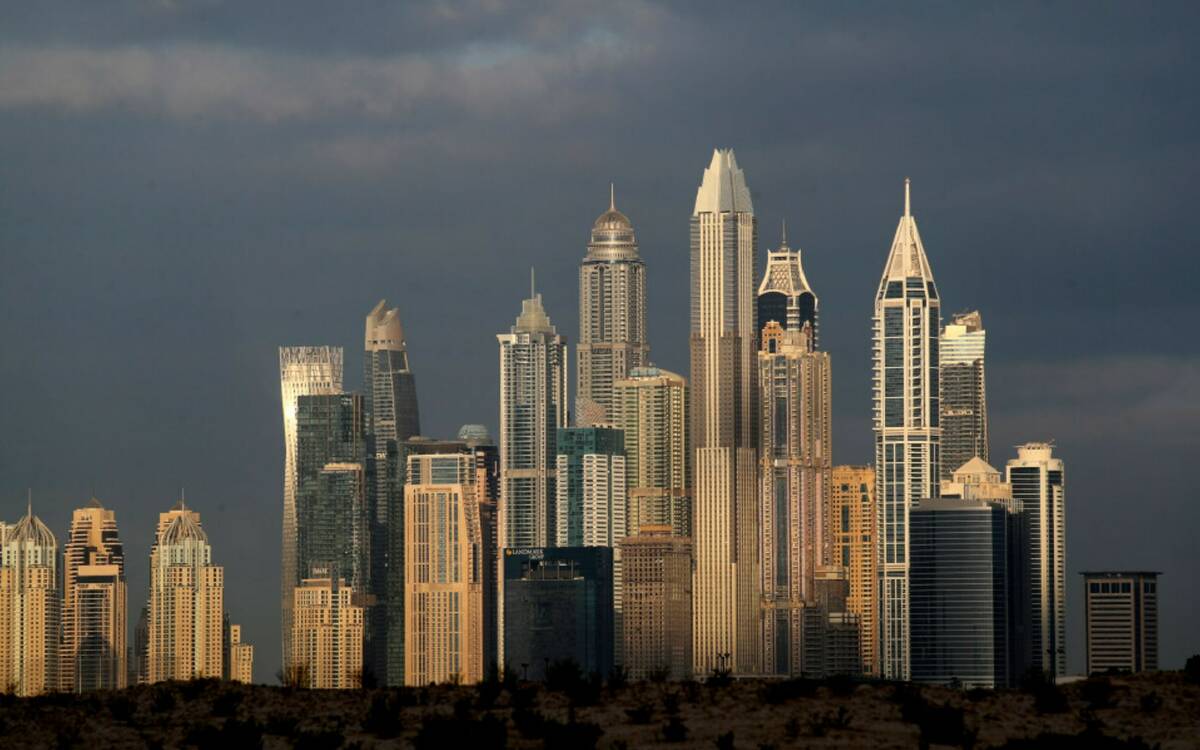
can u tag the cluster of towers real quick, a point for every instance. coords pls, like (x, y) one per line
(63, 619)
(666, 526)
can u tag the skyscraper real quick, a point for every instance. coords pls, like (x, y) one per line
(960, 595)
(590, 487)
(1037, 481)
(303, 370)
(533, 405)
(723, 332)
(650, 407)
(794, 398)
(328, 639)
(443, 555)
(853, 510)
(1121, 620)
(612, 315)
(392, 416)
(558, 606)
(487, 491)
(784, 295)
(186, 601)
(656, 594)
(964, 395)
(30, 608)
(907, 433)
(94, 602)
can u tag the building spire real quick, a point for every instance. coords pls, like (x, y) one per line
(29, 501)
(907, 199)
(784, 240)
(612, 197)
(532, 283)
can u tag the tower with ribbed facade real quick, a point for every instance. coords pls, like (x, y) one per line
(651, 407)
(303, 370)
(723, 434)
(907, 321)
(612, 315)
(794, 390)
(30, 608)
(94, 602)
(187, 597)
(533, 405)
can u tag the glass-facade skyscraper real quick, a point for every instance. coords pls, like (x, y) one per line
(907, 322)
(392, 416)
(303, 370)
(723, 420)
(612, 315)
(964, 392)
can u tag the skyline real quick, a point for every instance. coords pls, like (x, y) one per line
(176, 314)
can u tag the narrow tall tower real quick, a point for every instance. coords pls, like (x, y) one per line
(964, 392)
(794, 458)
(303, 370)
(907, 432)
(533, 405)
(612, 315)
(94, 602)
(392, 416)
(1038, 483)
(723, 331)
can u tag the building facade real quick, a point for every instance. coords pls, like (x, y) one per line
(241, 656)
(487, 491)
(327, 640)
(1038, 483)
(30, 608)
(94, 602)
(533, 405)
(590, 487)
(656, 595)
(794, 471)
(853, 511)
(303, 370)
(185, 624)
(960, 596)
(1121, 620)
(651, 408)
(907, 322)
(558, 607)
(612, 315)
(391, 416)
(723, 436)
(445, 570)
(964, 392)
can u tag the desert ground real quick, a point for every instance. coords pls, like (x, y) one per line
(1145, 711)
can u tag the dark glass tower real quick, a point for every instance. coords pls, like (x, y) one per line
(784, 295)
(392, 417)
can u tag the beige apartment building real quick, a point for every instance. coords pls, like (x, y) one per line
(327, 635)
(443, 571)
(853, 516)
(94, 602)
(30, 608)
(657, 594)
(241, 657)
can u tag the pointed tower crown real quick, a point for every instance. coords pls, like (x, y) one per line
(612, 235)
(723, 187)
(907, 259)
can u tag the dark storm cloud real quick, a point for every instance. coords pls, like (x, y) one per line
(186, 186)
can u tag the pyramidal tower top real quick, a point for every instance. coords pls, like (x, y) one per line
(723, 187)
(907, 258)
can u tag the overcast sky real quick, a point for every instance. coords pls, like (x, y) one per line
(186, 186)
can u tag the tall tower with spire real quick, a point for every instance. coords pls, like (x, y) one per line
(794, 459)
(724, 439)
(533, 405)
(392, 417)
(907, 322)
(29, 607)
(612, 315)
